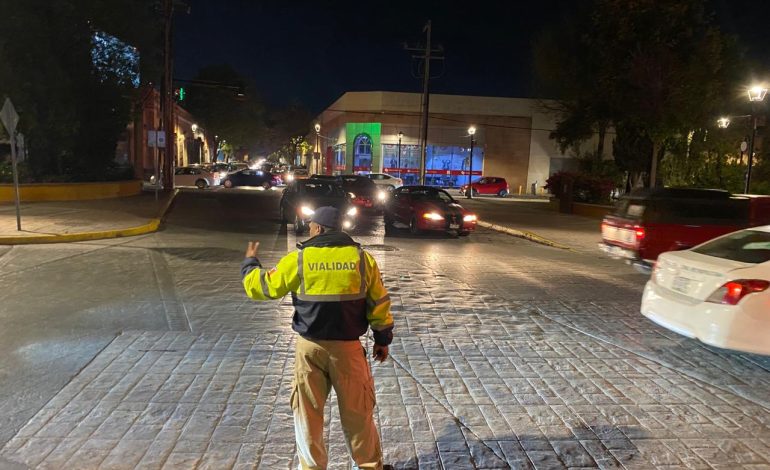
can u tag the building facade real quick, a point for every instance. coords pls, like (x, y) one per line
(366, 132)
(191, 143)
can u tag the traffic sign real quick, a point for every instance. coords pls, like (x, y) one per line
(9, 116)
(156, 139)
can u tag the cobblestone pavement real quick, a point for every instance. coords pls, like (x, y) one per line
(507, 355)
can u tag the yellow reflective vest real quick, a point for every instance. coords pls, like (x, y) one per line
(336, 288)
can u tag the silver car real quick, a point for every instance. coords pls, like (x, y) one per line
(384, 179)
(196, 176)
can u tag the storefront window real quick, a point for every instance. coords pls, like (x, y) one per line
(409, 170)
(339, 158)
(362, 158)
(448, 166)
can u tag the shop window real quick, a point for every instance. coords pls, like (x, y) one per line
(362, 154)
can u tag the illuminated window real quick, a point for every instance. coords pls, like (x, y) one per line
(362, 158)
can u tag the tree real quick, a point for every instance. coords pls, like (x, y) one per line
(213, 99)
(71, 114)
(569, 68)
(653, 66)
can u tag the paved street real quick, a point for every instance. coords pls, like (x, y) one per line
(145, 353)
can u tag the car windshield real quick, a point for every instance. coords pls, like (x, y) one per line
(431, 195)
(746, 246)
(321, 189)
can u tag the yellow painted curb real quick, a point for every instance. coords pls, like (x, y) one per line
(533, 237)
(149, 227)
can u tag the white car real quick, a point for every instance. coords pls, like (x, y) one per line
(717, 292)
(196, 176)
(385, 179)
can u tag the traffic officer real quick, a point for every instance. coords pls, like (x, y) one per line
(337, 293)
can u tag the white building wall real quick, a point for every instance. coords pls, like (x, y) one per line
(542, 148)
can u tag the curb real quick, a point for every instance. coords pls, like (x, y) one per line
(533, 237)
(149, 227)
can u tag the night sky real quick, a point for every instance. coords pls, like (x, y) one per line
(315, 51)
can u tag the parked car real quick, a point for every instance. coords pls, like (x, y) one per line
(386, 180)
(249, 177)
(302, 197)
(717, 292)
(195, 176)
(425, 208)
(296, 174)
(365, 194)
(647, 223)
(490, 185)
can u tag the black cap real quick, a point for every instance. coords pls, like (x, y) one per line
(327, 216)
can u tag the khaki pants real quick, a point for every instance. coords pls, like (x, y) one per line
(320, 365)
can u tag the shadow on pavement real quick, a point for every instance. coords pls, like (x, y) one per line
(579, 447)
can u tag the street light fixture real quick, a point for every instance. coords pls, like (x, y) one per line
(317, 154)
(469, 191)
(756, 94)
(400, 136)
(723, 123)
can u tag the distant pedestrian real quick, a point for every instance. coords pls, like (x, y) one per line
(337, 294)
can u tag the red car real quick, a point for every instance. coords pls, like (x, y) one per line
(488, 185)
(649, 222)
(425, 208)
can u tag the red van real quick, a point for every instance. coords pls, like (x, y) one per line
(648, 222)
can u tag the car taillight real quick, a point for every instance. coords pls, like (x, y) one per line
(639, 232)
(732, 292)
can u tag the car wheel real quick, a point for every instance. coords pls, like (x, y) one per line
(502, 193)
(201, 184)
(474, 193)
(299, 226)
(266, 185)
(463, 233)
(413, 228)
(228, 184)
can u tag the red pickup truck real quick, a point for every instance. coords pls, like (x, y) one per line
(648, 222)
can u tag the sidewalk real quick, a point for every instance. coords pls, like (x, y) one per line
(533, 216)
(66, 221)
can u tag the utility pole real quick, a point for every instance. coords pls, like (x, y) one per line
(166, 99)
(428, 55)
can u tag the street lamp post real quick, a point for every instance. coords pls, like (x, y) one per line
(469, 191)
(400, 136)
(317, 153)
(756, 94)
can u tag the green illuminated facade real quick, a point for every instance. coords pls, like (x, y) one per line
(363, 149)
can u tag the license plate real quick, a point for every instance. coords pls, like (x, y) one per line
(681, 284)
(454, 226)
(617, 234)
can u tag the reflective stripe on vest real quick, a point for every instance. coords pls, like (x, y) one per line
(263, 284)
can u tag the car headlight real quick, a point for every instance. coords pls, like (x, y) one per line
(433, 216)
(469, 218)
(381, 195)
(346, 224)
(352, 195)
(305, 210)
(289, 177)
(352, 212)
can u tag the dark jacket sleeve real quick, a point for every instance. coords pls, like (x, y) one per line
(249, 265)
